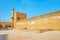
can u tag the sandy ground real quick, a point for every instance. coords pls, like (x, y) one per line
(22, 35)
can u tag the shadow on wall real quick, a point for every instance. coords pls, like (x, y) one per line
(3, 36)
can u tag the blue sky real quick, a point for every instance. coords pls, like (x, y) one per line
(30, 7)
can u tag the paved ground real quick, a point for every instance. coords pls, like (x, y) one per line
(21, 35)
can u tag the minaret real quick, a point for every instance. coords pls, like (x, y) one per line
(12, 17)
(12, 11)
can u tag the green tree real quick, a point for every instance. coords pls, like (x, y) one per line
(1, 26)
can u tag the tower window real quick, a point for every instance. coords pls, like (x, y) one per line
(18, 18)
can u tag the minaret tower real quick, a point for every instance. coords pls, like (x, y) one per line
(12, 17)
(12, 11)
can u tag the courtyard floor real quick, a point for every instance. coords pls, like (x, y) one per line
(22, 35)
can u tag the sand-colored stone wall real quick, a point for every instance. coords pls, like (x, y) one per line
(45, 22)
(4, 24)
